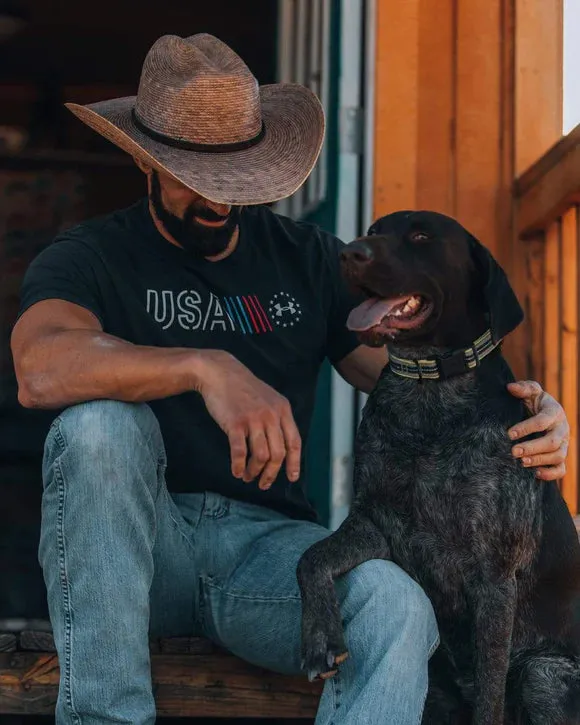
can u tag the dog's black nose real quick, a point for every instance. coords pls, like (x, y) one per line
(358, 253)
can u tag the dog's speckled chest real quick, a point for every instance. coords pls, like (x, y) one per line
(433, 463)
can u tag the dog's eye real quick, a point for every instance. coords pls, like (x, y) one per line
(419, 236)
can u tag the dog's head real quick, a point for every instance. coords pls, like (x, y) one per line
(428, 281)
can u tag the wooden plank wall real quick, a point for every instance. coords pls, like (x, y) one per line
(467, 96)
(457, 109)
(439, 110)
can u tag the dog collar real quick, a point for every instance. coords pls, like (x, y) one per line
(446, 366)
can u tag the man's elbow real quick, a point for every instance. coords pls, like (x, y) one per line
(32, 393)
(33, 383)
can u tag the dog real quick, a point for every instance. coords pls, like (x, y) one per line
(437, 491)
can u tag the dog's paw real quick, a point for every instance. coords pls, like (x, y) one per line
(322, 653)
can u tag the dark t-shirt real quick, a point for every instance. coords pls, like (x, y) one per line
(277, 303)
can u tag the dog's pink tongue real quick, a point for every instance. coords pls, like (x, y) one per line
(371, 313)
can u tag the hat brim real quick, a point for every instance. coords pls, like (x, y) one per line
(271, 170)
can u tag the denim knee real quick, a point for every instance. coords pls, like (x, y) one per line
(101, 433)
(382, 599)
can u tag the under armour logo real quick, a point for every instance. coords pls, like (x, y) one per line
(284, 310)
(279, 309)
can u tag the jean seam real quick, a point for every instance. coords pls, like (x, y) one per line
(429, 655)
(248, 597)
(177, 523)
(64, 583)
(433, 647)
(336, 693)
(204, 618)
(422, 711)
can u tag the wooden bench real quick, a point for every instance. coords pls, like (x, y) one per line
(191, 678)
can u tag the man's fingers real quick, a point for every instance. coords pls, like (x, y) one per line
(552, 473)
(238, 451)
(525, 389)
(545, 459)
(537, 424)
(259, 452)
(546, 444)
(277, 455)
(293, 446)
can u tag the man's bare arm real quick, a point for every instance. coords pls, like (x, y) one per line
(62, 357)
(363, 366)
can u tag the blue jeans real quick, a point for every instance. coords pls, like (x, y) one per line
(122, 558)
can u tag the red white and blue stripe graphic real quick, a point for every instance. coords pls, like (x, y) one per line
(247, 314)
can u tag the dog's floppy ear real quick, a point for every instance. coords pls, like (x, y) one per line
(504, 310)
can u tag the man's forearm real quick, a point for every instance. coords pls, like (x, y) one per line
(73, 366)
(362, 367)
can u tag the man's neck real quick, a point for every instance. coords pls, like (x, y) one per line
(233, 243)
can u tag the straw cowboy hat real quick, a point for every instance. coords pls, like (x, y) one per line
(200, 116)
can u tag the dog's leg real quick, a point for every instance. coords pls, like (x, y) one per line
(356, 541)
(494, 610)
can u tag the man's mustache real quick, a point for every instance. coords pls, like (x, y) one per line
(203, 212)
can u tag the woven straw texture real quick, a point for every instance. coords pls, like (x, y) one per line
(197, 90)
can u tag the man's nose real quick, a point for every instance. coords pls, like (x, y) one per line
(357, 254)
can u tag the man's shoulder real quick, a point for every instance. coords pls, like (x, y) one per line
(99, 230)
(293, 231)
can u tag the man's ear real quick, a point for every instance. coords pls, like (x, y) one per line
(504, 311)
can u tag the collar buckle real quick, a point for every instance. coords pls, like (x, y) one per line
(455, 363)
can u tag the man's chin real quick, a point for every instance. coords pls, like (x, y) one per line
(207, 247)
(202, 240)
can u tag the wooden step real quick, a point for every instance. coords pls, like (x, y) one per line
(191, 678)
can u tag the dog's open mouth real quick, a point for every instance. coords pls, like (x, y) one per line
(379, 316)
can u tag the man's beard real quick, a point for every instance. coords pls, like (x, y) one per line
(197, 239)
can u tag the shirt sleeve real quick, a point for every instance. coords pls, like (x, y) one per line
(65, 270)
(340, 341)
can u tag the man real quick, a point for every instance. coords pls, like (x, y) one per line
(181, 339)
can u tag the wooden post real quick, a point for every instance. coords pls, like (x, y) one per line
(570, 350)
(552, 312)
(535, 270)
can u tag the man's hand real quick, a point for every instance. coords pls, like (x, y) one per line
(251, 414)
(548, 453)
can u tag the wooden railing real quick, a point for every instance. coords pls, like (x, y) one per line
(547, 200)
